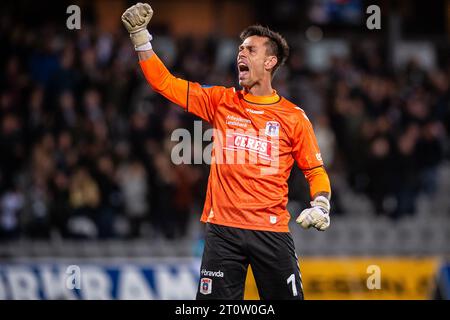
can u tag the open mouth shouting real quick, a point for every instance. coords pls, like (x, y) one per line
(244, 70)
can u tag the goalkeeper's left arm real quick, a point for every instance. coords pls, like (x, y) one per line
(318, 215)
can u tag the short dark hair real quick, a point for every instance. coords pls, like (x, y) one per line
(276, 44)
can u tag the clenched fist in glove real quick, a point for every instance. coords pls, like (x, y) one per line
(317, 216)
(136, 19)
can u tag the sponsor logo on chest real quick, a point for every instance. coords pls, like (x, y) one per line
(242, 141)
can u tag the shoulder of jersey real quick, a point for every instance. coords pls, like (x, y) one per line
(221, 90)
(229, 91)
(232, 92)
(294, 110)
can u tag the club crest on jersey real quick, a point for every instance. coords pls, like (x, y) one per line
(272, 129)
(205, 285)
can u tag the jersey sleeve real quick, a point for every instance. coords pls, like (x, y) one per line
(199, 100)
(203, 100)
(305, 149)
(318, 181)
(307, 155)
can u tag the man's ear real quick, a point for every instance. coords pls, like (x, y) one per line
(271, 62)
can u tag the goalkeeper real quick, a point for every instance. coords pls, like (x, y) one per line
(245, 206)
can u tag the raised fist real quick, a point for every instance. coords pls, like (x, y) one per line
(135, 19)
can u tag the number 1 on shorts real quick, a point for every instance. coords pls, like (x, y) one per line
(291, 280)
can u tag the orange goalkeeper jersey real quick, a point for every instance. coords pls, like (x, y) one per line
(256, 142)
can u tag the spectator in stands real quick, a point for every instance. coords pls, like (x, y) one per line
(132, 178)
(84, 196)
(11, 206)
(111, 198)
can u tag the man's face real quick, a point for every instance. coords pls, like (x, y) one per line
(251, 61)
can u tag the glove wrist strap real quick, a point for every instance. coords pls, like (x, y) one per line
(321, 202)
(141, 40)
(144, 47)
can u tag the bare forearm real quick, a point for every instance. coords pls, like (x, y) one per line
(145, 55)
(322, 193)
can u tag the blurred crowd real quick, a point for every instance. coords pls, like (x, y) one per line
(85, 143)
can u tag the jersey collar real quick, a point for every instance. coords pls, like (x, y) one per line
(271, 99)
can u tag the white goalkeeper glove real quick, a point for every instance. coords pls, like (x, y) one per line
(317, 216)
(135, 19)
